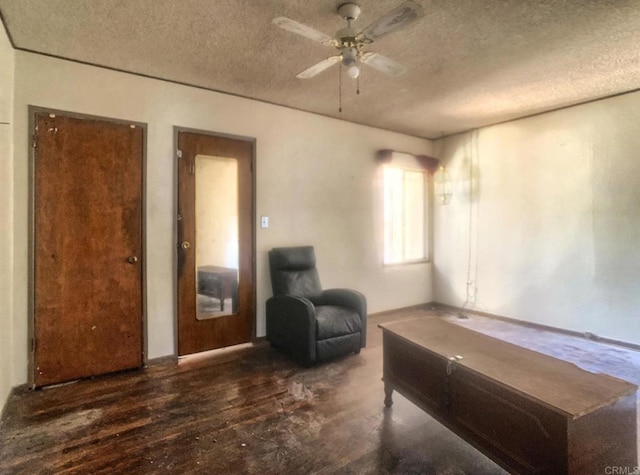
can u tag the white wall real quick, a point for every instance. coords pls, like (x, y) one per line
(6, 214)
(316, 180)
(555, 219)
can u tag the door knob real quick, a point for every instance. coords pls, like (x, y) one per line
(185, 245)
(132, 259)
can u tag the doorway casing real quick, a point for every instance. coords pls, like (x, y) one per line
(251, 142)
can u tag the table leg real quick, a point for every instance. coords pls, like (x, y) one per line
(221, 295)
(388, 391)
(234, 298)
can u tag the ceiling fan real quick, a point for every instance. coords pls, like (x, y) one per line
(349, 41)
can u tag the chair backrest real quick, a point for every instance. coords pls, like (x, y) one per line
(293, 272)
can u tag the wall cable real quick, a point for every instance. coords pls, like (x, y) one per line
(469, 283)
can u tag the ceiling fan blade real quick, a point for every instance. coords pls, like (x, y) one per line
(303, 30)
(318, 68)
(393, 20)
(383, 64)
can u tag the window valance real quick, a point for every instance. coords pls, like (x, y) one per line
(424, 162)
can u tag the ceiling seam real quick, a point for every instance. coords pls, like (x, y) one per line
(528, 116)
(6, 29)
(431, 138)
(204, 88)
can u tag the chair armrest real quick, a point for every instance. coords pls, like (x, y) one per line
(291, 325)
(351, 299)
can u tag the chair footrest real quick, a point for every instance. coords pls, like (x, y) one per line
(340, 345)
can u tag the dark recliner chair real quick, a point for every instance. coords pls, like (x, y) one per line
(303, 320)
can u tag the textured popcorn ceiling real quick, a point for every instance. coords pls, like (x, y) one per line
(471, 62)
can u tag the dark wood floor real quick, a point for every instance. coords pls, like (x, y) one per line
(251, 410)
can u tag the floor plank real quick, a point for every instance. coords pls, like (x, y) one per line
(251, 410)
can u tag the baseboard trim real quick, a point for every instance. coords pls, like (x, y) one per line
(161, 360)
(21, 389)
(537, 326)
(3, 412)
(421, 306)
(175, 359)
(16, 390)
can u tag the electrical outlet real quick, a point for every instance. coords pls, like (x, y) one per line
(264, 222)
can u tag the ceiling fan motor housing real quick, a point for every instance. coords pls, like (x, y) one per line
(347, 35)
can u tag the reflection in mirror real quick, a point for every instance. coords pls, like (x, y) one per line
(216, 236)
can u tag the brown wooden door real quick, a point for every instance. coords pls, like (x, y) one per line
(208, 278)
(87, 248)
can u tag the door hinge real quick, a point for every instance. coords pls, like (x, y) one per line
(179, 153)
(192, 169)
(34, 139)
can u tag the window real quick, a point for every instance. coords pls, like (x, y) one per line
(404, 215)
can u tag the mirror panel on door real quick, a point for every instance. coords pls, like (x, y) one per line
(217, 245)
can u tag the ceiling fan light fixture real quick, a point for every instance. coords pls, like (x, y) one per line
(353, 71)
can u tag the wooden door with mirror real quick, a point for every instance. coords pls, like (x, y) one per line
(87, 247)
(216, 285)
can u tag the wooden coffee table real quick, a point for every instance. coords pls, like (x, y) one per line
(529, 412)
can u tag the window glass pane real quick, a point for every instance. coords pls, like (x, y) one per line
(413, 215)
(393, 216)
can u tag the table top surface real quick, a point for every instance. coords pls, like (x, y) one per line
(217, 270)
(558, 384)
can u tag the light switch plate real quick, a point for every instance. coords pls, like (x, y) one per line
(264, 221)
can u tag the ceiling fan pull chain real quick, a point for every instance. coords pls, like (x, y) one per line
(358, 84)
(340, 88)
